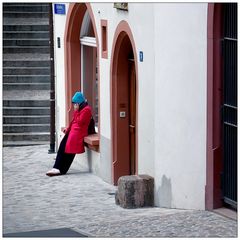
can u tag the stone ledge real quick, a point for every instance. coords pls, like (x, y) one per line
(92, 142)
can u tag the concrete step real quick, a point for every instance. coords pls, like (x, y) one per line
(26, 63)
(26, 103)
(25, 21)
(25, 42)
(31, 136)
(26, 70)
(26, 111)
(26, 49)
(25, 3)
(26, 78)
(26, 27)
(22, 14)
(25, 8)
(24, 128)
(26, 86)
(26, 57)
(43, 119)
(25, 34)
(23, 143)
(33, 95)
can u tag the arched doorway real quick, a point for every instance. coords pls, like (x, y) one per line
(124, 103)
(221, 182)
(81, 57)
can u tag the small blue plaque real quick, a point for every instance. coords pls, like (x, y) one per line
(141, 56)
(59, 9)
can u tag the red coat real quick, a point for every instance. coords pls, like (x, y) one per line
(78, 129)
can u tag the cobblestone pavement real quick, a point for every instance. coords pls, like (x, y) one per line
(81, 201)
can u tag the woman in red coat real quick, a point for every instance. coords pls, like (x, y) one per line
(73, 141)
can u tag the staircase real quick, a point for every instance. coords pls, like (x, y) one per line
(26, 74)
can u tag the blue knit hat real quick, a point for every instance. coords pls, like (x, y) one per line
(78, 98)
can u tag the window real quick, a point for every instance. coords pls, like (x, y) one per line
(89, 69)
(104, 39)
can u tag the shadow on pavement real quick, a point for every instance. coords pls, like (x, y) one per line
(61, 232)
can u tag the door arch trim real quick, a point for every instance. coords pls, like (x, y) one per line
(214, 75)
(72, 51)
(122, 30)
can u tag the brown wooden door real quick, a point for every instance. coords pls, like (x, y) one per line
(132, 116)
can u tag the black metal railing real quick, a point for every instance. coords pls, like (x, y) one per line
(52, 83)
(230, 105)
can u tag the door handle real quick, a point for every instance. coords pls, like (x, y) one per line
(131, 126)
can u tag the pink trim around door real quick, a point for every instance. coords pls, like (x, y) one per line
(72, 52)
(214, 100)
(122, 30)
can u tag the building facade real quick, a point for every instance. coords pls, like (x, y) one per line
(152, 73)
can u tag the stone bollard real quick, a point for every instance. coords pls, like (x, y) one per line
(135, 191)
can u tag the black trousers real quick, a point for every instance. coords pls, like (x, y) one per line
(63, 160)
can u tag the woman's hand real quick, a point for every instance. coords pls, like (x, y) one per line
(64, 130)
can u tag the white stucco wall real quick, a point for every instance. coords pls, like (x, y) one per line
(59, 21)
(180, 104)
(140, 26)
(171, 97)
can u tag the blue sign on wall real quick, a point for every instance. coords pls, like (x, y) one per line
(59, 9)
(141, 56)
